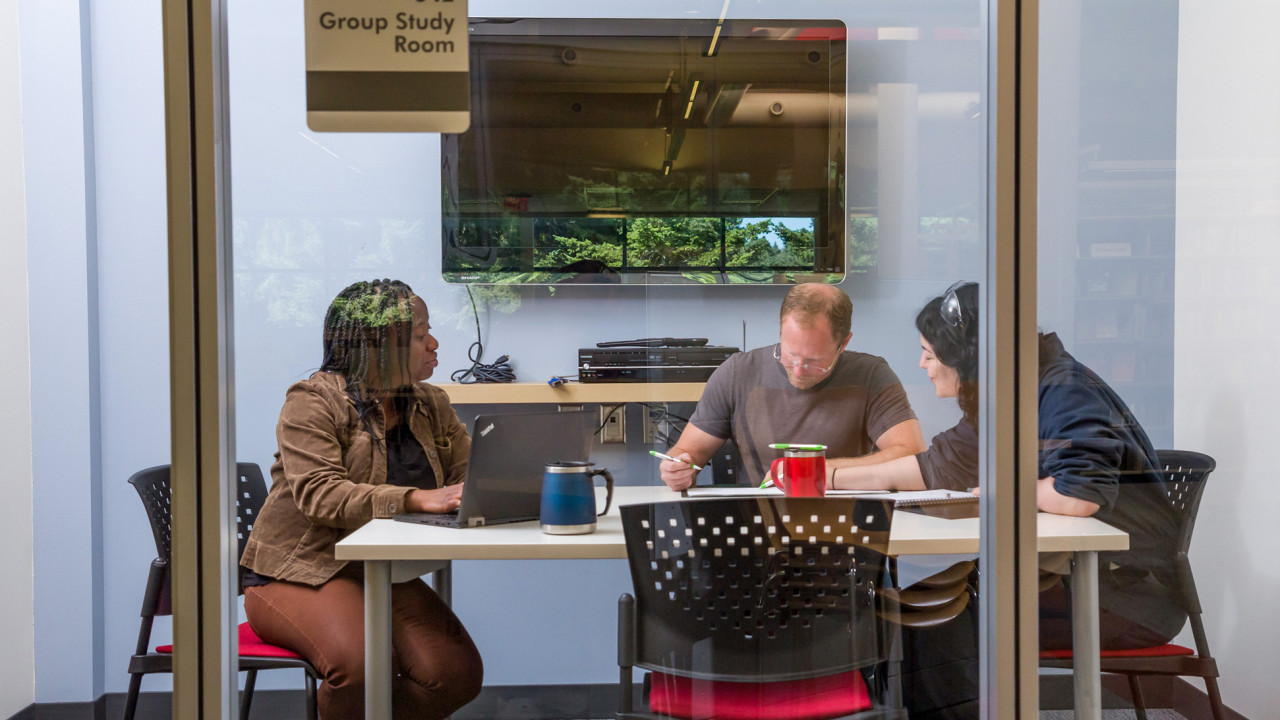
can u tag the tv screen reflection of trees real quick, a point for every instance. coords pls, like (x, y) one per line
(650, 151)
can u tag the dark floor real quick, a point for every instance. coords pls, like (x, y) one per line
(1112, 715)
(288, 705)
(570, 702)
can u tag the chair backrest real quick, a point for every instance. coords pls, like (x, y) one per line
(251, 493)
(154, 489)
(1185, 473)
(757, 588)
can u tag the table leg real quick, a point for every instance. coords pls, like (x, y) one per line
(377, 639)
(1086, 646)
(442, 583)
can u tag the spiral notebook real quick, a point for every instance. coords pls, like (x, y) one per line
(919, 498)
(938, 503)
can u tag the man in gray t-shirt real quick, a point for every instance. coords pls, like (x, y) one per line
(805, 389)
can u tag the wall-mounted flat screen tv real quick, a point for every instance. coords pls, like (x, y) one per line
(649, 151)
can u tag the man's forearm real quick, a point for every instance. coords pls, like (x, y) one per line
(699, 459)
(902, 440)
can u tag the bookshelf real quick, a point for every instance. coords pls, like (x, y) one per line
(1124, 287)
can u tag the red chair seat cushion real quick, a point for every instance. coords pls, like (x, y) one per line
(250, 646)
(823, 697)
(1167, 650)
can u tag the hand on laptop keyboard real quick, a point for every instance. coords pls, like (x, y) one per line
(440, 500)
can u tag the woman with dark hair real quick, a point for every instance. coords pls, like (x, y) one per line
(362, 438)
(1095, 460)
(949, 354)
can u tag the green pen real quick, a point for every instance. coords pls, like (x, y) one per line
(657, 454)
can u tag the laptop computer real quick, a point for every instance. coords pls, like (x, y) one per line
(504, 475)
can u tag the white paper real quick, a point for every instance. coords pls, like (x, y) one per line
(900, 498)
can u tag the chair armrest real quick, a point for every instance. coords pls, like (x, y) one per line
(626, 631)
(157, 581)
(626, 651)
(157, 577)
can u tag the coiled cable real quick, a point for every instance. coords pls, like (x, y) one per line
(498, 371)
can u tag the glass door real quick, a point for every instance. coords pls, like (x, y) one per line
(879, 177)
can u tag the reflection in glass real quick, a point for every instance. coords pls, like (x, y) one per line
(607, 244)
(887, 170)
(760, 604)
(724, 156)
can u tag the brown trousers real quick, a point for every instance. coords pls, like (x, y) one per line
(437, 667)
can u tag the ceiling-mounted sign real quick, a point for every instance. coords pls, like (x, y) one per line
(387, 66)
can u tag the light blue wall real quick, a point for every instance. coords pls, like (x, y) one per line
(17, 533)
(134, 307)
(94, 137)
(61, 264)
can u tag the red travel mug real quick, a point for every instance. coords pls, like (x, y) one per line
(804, 472)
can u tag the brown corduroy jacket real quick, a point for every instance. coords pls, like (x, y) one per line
(329, 476)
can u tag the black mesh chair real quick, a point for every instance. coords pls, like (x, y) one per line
(1185, 474)
(758, 608)
(153, 487)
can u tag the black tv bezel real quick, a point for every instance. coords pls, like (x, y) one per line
(830, 222)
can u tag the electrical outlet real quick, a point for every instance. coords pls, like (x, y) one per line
(651, 427)
(613, 425)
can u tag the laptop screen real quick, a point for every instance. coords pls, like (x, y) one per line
(508, 455)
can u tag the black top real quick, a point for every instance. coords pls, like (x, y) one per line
(407, 462)
(1095, 449)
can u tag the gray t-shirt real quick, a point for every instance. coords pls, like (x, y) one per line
(750, 399)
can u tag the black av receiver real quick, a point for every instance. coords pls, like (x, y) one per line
(650, 364)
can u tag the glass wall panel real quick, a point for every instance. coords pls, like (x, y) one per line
(1158, 216)
(621, 192)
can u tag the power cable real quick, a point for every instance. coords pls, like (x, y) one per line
(498, 371)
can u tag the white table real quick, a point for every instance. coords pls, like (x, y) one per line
(387, 546)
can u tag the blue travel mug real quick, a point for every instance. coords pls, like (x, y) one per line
(569, 497)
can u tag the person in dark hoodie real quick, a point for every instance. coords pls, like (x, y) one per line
(1094, 460)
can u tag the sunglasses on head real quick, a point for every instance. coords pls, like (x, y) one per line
(950, 310)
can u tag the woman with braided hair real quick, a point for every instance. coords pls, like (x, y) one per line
(362, 438)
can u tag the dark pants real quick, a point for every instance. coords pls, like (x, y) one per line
(940, 664)
(1116, 632)
(437, 668)
(940, 669)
